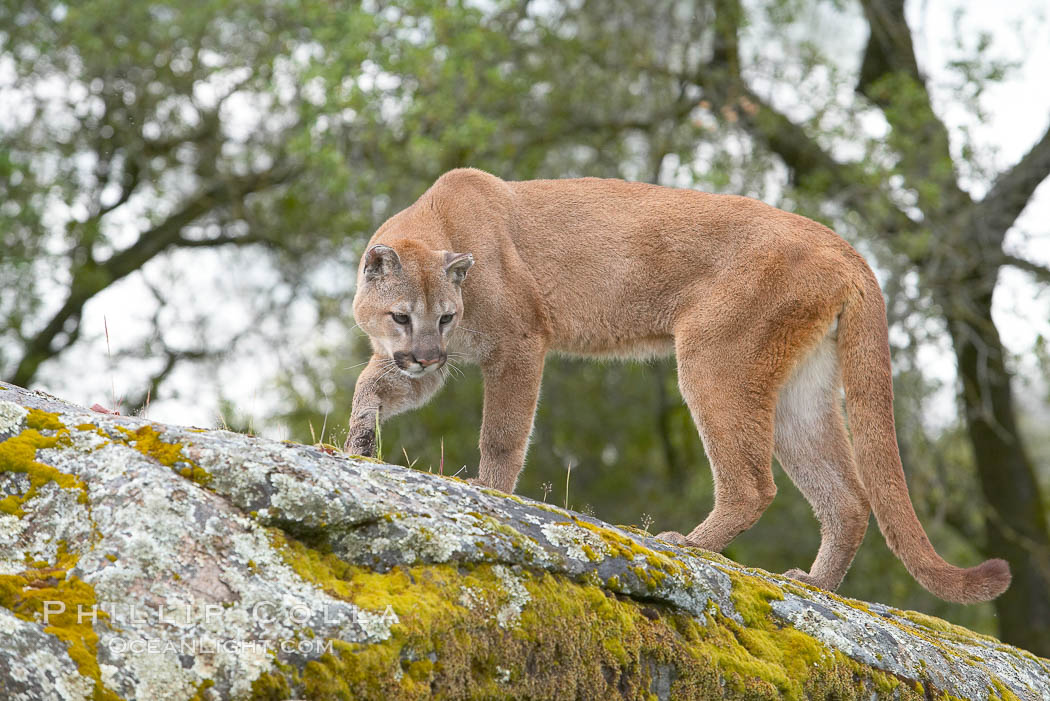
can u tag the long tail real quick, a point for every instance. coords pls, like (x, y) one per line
(864, 356)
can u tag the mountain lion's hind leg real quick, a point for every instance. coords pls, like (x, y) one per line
(732, 405)
(812, 446)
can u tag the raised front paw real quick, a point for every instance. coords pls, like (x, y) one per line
(361, 441)
(673, 537)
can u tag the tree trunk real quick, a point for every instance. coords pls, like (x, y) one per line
(1016, 524)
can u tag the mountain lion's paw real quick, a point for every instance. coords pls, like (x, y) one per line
(802, 576)
(673, 538)
(361, 442)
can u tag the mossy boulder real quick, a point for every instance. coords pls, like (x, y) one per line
(139, 560)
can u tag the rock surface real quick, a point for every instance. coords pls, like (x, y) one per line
(143, 561)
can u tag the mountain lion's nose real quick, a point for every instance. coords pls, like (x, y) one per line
(427, 361)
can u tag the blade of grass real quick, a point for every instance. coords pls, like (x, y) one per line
(325, 422)
(568, 473)
(379, 440)
(112, 380)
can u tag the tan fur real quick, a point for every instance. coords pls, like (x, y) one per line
(769, 314)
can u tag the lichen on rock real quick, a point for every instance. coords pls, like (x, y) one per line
(146, 561)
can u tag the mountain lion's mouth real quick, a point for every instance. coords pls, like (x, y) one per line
(416, 370)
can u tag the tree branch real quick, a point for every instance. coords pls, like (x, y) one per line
(91, 278)
(889, 49)
(172, 357)
(890, 78)
(1040, 272)
(222, 240)
(800, 152)
(1013, 189)
(130, 182)
(167, 233)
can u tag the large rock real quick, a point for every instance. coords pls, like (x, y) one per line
(221, 566)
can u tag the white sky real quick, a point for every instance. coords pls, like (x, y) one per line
(1019, 113)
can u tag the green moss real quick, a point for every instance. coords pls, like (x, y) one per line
(18, 454)
(1001, 692)
(572, 639)
(201, 688)
(25, 593)
(634, 529)
(517, 538)
(658, 564)
(43, 421)
(542, 506)
(147, 441)
(274, 686)
(781, 655)
(717, 558)
(11, 504)
(364, 458)
(497, 493)
(751, 597)
(852, 603)
(948, 630)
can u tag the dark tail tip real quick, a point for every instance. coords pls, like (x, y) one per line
(975, 584)
(995, 577)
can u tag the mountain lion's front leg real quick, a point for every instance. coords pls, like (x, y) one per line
(382, 391)
(512, 388)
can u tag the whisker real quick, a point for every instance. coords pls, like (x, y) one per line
(351, 367)
(379, 365)
(385, 373)
(375, 382)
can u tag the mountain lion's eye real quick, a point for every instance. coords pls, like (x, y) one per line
(445, 318)
(399, 318)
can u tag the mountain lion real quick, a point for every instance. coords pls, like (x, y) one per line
(769, 315)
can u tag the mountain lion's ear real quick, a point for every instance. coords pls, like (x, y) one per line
(379, 260)
(457, 265)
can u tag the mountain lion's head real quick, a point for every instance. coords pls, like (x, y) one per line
(408, 301)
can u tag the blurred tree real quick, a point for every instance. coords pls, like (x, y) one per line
(138, 134)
